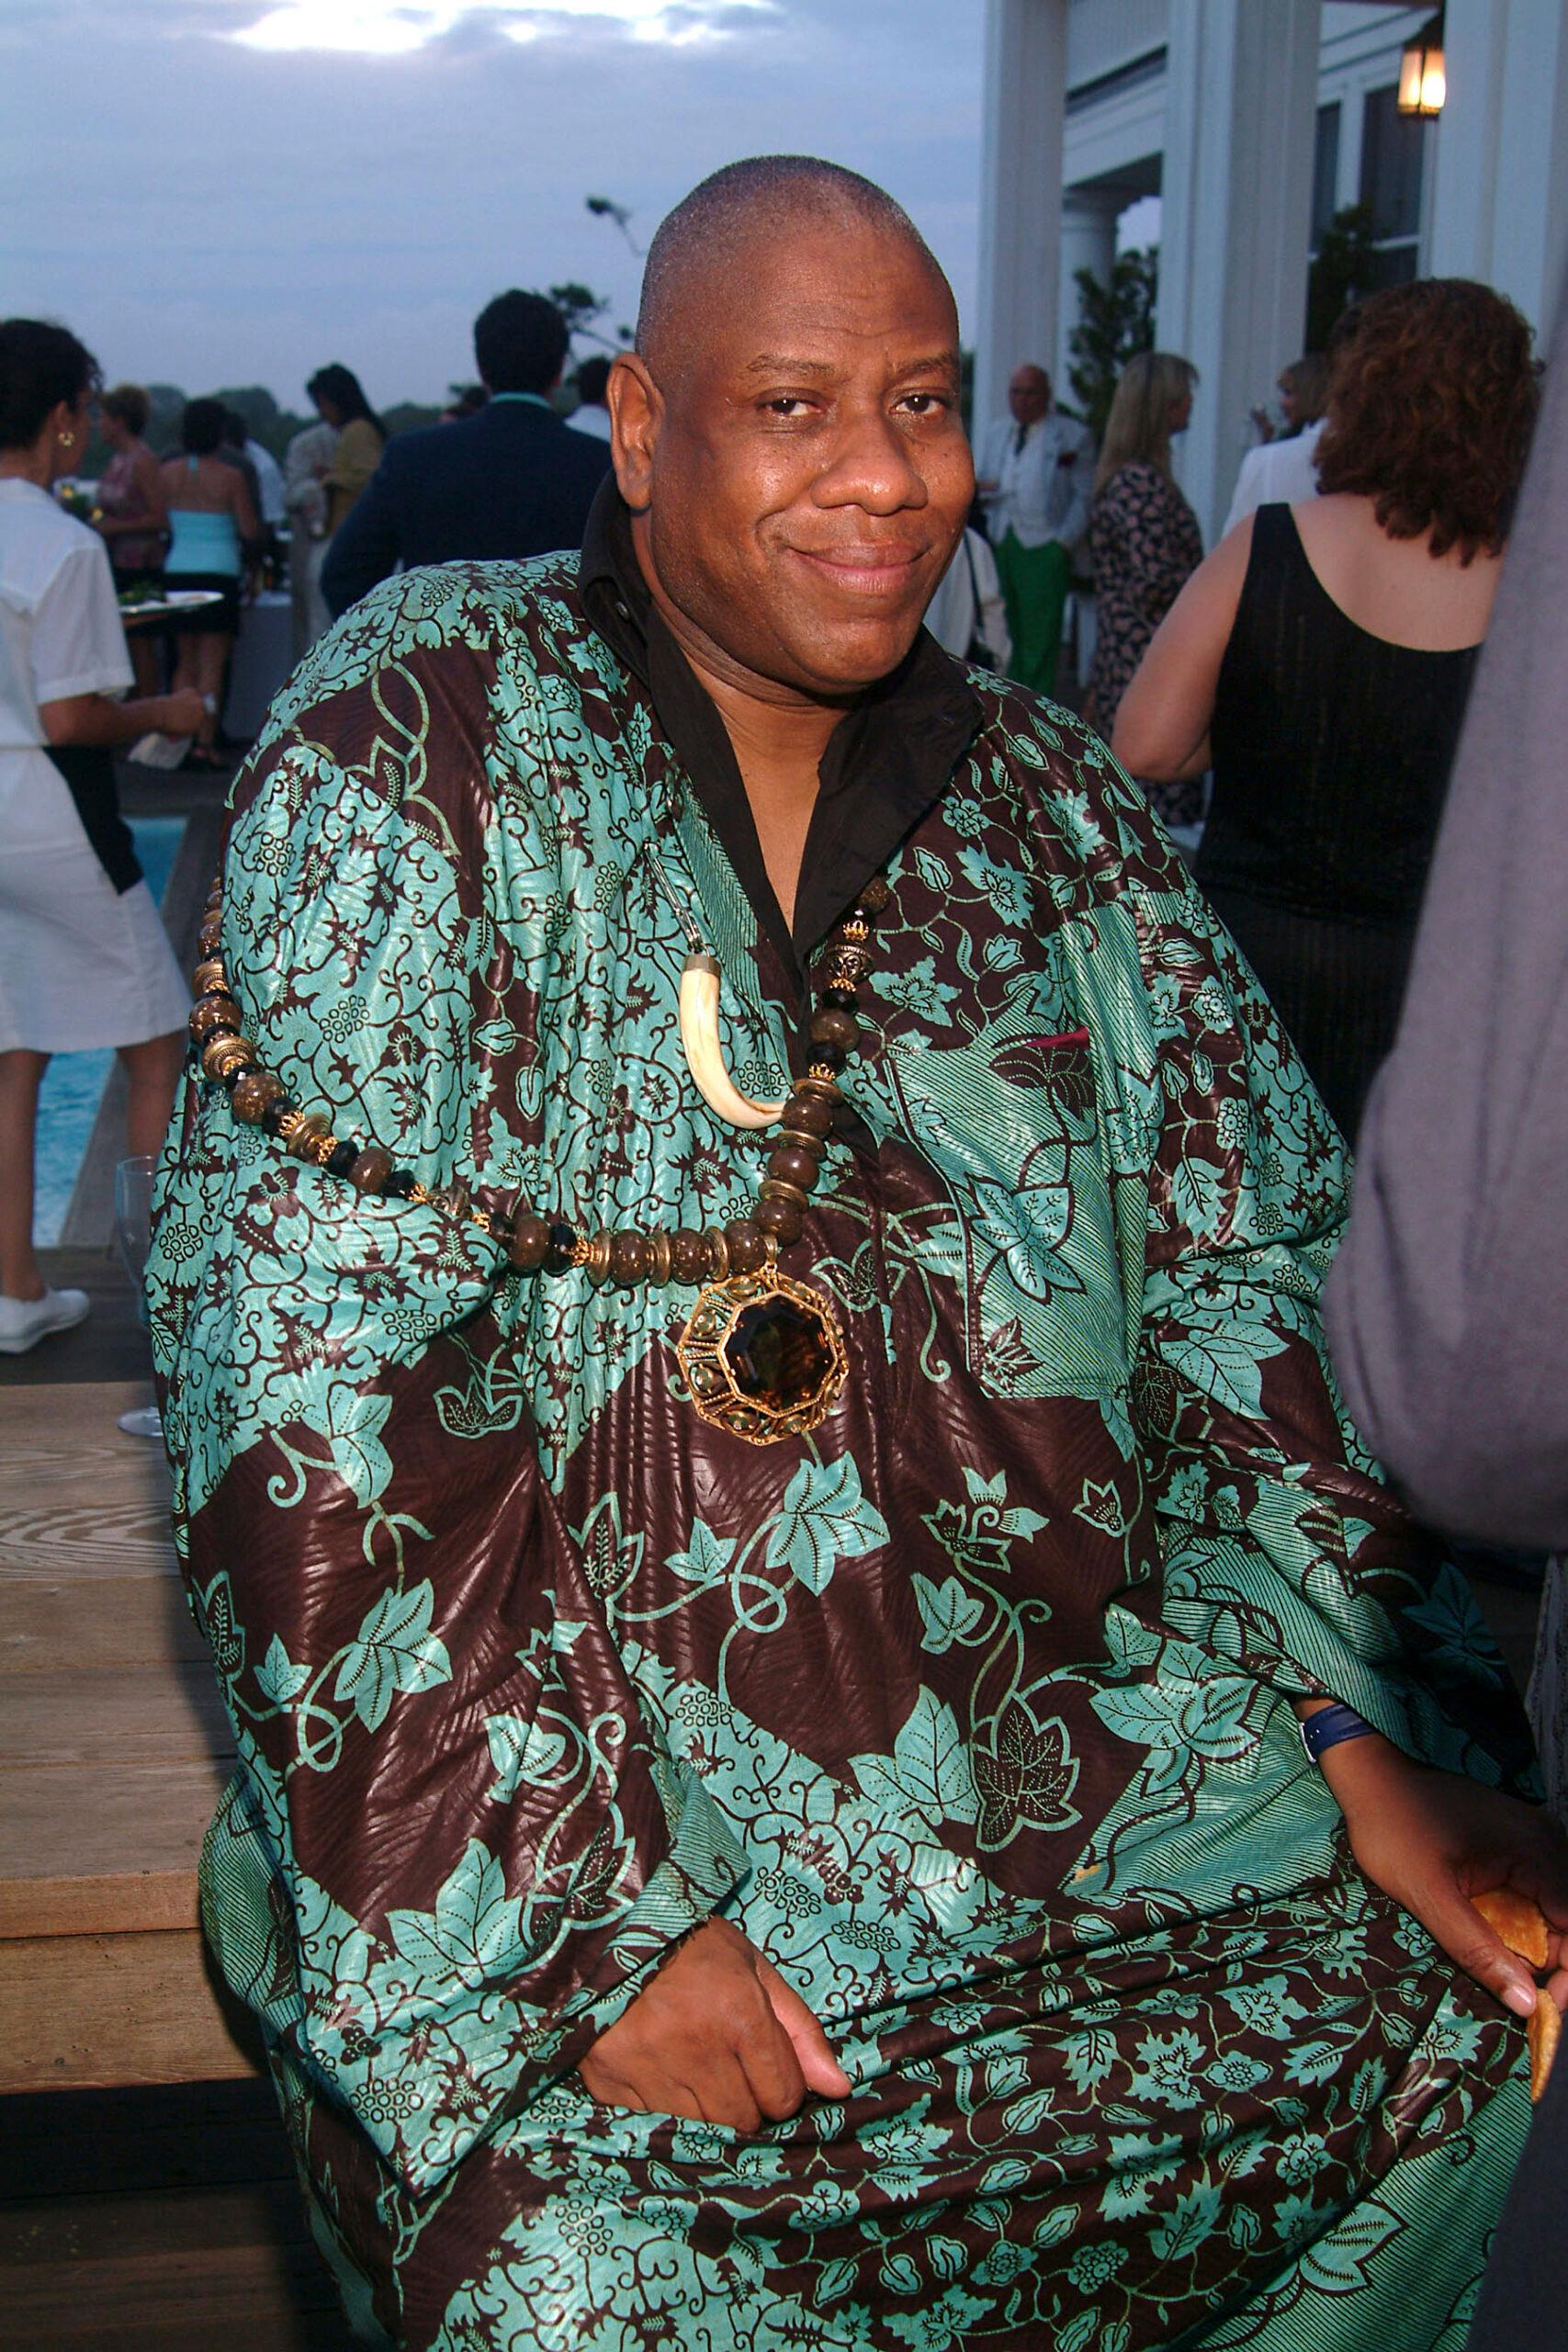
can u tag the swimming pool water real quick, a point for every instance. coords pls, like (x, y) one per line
(73, 1083)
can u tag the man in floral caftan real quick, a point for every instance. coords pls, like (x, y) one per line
(862, 1891)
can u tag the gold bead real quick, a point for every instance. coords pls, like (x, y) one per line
(226, 1054)
(209, 976)
(306, 1131)
(661, 1244)
(595, 1259)
(718, 1243)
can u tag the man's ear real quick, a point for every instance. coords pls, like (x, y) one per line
(636, 410)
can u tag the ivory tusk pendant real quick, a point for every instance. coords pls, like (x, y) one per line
(704, 1054)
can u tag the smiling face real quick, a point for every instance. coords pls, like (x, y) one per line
(798, 473)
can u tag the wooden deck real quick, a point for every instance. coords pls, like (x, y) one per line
(147, 2198)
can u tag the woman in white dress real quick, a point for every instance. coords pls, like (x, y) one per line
(84, 957)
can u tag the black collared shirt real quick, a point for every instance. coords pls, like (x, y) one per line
(886, 763)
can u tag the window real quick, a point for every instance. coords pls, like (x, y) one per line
(1394, 153)
(1325, 172)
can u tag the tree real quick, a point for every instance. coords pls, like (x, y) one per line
(604, 208)
(1116, 318)
(580, 306)
(1344, 268)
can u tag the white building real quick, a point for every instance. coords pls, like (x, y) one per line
(1255, 121)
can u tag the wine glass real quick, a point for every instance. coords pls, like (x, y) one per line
(133, 1236)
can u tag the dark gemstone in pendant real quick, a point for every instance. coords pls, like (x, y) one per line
(789, 1165)
(747, 1247)
(781, 1218)
(842, 999)
(778, 1353)
(530, 1243)
(835, 1029)
(342, 1159)
(688, 1256)
(875, 895)
(563, 1243)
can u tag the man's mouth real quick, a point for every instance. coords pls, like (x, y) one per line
(864, 570)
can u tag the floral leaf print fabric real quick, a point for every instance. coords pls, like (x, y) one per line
(973, 1711)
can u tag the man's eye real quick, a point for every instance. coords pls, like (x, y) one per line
(787, 404)
(924, 403)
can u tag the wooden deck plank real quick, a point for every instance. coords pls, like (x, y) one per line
(77, 1497)
(86, 2010)
(51, 1620)
(101, 1715)
(81, 1848)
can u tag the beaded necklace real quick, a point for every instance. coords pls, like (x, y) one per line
(761, 1354)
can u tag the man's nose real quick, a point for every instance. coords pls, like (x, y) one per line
(871, 466)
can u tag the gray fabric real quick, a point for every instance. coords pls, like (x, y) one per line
(1448, 1309)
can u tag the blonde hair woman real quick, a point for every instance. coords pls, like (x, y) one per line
(1143, 541)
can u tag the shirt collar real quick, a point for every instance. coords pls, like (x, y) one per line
(534, 400)
(887, 763)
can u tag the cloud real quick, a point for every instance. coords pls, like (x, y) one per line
(203, 211)
(397, 28)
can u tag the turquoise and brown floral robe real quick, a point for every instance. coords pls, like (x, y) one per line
(973, 1712)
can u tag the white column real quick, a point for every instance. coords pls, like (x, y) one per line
(1240, 110)
(1020, 194)
(1089, 242)
(1500, 193)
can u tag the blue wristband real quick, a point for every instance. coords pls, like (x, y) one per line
(1329, 1726)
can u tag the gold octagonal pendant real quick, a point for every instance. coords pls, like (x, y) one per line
(763, 1356)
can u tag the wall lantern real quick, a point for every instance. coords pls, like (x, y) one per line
(1422, 85)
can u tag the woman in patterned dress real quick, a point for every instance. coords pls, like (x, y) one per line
(1144, 543)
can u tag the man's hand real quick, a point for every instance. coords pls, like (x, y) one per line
(718, 2036)
(1434, 1839)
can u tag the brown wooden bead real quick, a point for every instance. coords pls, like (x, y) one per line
(630, 1258)
(839, 1030)
(875, 895)
(789, 1165)
(799, 1140)
(782, 1219)
(529, 1243)
(211, 974)
(210, 938)
(253, 1094)
(214, 1011)
(370, 1169)
(688, 1256)
(810, 1112)
(747, 1247)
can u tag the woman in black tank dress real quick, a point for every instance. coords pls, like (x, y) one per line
(1331, 755)
(1321, 659)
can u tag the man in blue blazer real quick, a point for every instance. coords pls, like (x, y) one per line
(511, 480)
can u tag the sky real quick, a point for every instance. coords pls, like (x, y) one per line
(229, 192)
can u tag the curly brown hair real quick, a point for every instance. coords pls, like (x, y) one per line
(1432, 397)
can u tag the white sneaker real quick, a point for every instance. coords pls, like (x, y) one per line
(25, 1321)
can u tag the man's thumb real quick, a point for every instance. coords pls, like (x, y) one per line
(1465, 1936)
(813, 2052)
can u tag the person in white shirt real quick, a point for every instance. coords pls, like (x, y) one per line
(84, 957)
(307, 461)
(269, 482)
(1283, 470)
(1035, 472)
(591, 415)
(968, 615)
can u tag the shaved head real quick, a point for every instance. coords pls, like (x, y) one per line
(696, 247)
